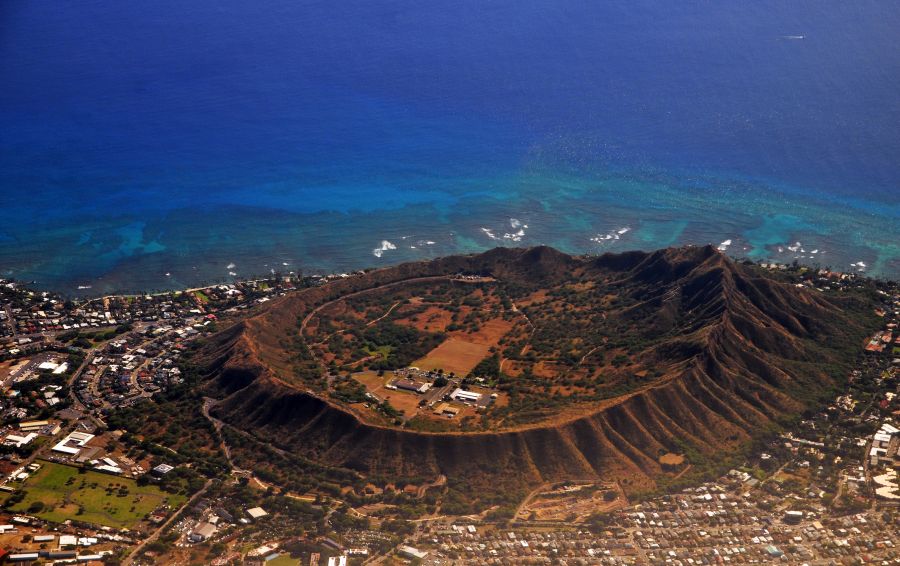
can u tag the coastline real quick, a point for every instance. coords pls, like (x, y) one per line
(295, 280)
(578, 214)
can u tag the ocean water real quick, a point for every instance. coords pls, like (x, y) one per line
(164, 145)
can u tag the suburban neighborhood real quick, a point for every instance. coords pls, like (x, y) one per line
(79, 490)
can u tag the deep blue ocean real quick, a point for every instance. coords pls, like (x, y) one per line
(146, 146)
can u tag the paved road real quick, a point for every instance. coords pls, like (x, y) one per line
(94, 384)
(217, 424)
(326, 304)
(41, 452)
(76, 403)
(155, 535)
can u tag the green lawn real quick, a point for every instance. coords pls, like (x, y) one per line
(383, 351)
(91, 497)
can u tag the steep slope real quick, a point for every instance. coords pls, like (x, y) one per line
(741, 352)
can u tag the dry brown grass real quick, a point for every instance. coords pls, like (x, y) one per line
(537, 297)
(577, 506)
(404, 401)
(407, 403)
(433, 319)
(671, 459)
(5, 368)
(546, 369)
(491, 331)
(455, 355)
(372, 381)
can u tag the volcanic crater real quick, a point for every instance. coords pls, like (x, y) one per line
(629, 367)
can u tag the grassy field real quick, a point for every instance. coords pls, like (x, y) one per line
(284, 560)
(383, 351)
(403, 401)
(374, 383)
(454, 355)
(91, 497)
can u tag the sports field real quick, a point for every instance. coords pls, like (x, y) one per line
(283, 560)
(91, 497)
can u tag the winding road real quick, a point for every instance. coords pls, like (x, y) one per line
(327, 304)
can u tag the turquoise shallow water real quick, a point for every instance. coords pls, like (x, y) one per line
(149, 148)
(186, 246)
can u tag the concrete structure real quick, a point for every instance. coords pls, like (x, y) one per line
(73, 443)
(411, 552)
(410, 385)
(257, 513)
(19, 441)
(466, 396)
(67, 540)
(32, 425)
(888, 487)
(162, 469)
(203, 532)
(446, 410)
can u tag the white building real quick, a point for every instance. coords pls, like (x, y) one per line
(19, 441)
(203, 532)
(411, 552)
(466, 396)
(257, 512)
(73, 443)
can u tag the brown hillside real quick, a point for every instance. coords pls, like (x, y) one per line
(742, 352)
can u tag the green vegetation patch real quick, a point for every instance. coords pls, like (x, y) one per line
(57, 492)
(381, 351)
(398, 345)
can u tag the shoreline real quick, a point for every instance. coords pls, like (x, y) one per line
(82, 300)
(578, 212)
